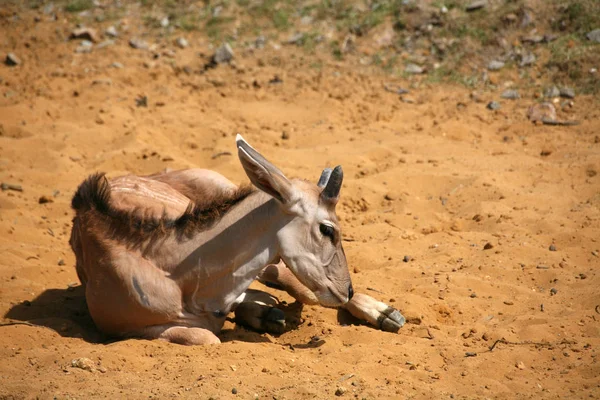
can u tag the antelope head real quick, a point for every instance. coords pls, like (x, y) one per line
(309, 241)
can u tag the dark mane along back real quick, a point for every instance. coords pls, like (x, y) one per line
(94, 195)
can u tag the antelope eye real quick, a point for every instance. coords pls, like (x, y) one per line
(327, 230)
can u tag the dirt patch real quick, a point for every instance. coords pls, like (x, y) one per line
(429, 184)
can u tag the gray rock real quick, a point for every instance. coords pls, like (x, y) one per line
(306, 20)
(493, 105)
(49, 8)
(182, 43)
(527, 59)
(83, 363)
(533, 39)
(111, 31)
(542, 112)
(138, 44)
(413, 69)
(567, 92)
(495, 65)
(164, 22)
(527, 19)
(551, 92)
(224, 54)
(84, 47)
(260, 42)
(594, 35)
(476, 5)
(105, 43)
(510, 94)
(117, 65)
(12, 60)
(85, 33)
(296, 38)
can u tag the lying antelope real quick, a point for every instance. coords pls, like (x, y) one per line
(170, 255)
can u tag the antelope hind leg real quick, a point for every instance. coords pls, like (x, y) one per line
(362, 306)
(180, 335)
(256, 311)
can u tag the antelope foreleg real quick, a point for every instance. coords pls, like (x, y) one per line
(362, 306)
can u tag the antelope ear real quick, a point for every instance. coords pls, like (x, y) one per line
(262, 173)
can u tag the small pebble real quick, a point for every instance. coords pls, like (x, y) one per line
(234, 391)
(224, 54)
(111, 31)
(83, 363)
(17, 188)
(340, 391)
(510, 94)
(182, 43)
(470, 354)
(527, 59)
(414, 69)
(541, 112)
(552, 92)
(495, 65)
(138, 44)
(493, 105)
(552, 247)
(406, 259)
(594, 35)
(567, 92)
(12, 60)
(476, 5)
(85, 33)
(520, 365)
(488, 246)
(61, 262)
(45, 199)
(553, 291)
(473, 295)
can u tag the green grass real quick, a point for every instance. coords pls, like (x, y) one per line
(579, 16)
(78, 5)
(215, 26)
(347, 17)
(570, 58)
(277, 13)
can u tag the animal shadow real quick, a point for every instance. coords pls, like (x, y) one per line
(65, 311)
(62, 310)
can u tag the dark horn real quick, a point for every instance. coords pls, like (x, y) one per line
(332, 190)
(324, 177)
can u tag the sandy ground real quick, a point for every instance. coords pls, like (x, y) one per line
(441, 180)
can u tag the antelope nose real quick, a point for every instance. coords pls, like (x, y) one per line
(350, 292)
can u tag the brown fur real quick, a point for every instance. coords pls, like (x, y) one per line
(94, 196)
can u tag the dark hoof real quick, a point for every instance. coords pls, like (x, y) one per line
(391, 320)
(274, 320)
